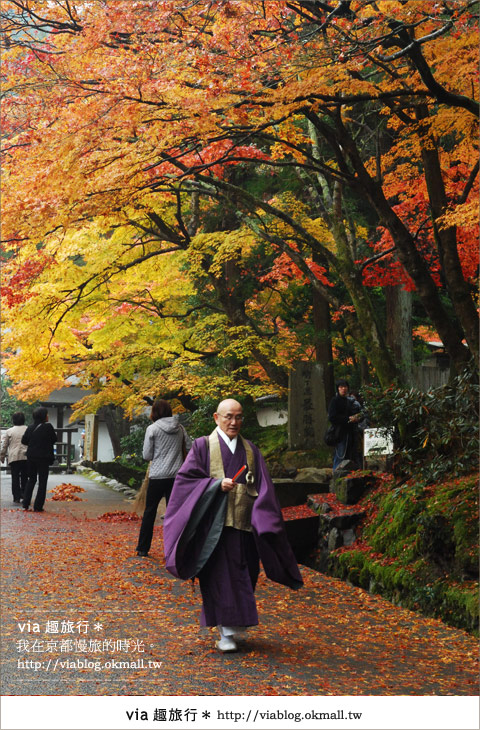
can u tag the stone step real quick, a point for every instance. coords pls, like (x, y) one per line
(301, 525)
(333, 512)
(291, 494)
(320, 524)
(336, 528)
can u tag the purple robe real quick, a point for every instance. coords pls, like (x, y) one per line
(225, 559)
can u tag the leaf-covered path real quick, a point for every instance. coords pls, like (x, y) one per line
(78, 606)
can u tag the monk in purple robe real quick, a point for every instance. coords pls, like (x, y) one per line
(222, 517)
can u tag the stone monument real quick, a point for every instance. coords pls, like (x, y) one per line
(307, 410)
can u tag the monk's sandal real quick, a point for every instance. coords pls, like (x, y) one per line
(226, 644)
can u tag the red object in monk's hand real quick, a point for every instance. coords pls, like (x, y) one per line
(239, 472)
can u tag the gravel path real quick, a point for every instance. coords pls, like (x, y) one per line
(82, 615)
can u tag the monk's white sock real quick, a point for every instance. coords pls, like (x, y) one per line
(230, 630)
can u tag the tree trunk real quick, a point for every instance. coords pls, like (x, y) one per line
(347, 153)
(323, 343)
(399, 331)
(446, 239)
(117, 425)
(365, 332)
(371, 341)
(416, 267)
(408, 255)
(234, 308)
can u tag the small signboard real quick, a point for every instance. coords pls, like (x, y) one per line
(377, 442)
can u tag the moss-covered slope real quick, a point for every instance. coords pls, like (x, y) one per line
(419, 548)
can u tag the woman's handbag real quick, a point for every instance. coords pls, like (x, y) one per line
(332, 435)
(138, 505)
(184, 444)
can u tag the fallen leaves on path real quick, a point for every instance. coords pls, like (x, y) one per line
(326, 639)
(66, 493)
(119, 516)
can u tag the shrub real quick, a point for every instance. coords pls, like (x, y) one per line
(200, 422)
(132, 445)
(435, 432)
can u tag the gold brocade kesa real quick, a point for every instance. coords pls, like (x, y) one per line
(242, 496)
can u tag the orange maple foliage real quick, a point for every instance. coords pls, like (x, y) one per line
(112, 108)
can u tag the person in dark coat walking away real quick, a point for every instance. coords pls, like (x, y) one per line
(345, 411)
(40, 438)
(165, 446)
(16, 452)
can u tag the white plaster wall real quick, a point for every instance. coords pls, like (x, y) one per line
(105, 449)
(270, 416)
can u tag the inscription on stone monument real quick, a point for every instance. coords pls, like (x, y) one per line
(307, 411)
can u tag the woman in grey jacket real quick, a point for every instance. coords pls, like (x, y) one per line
(165, 446)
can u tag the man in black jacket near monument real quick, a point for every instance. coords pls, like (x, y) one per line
(345, 411)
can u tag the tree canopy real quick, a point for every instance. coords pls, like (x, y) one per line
(181, 179)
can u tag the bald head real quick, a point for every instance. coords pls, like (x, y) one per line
(226, 405)
(229, 416)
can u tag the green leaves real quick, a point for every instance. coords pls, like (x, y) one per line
(436, 432)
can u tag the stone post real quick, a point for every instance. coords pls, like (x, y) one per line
(307, 410)
(91, 437)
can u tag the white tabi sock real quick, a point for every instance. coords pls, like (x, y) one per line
(230, 630)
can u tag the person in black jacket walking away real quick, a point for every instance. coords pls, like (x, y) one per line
(345, 411)
(165, 446)
(39, 438)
